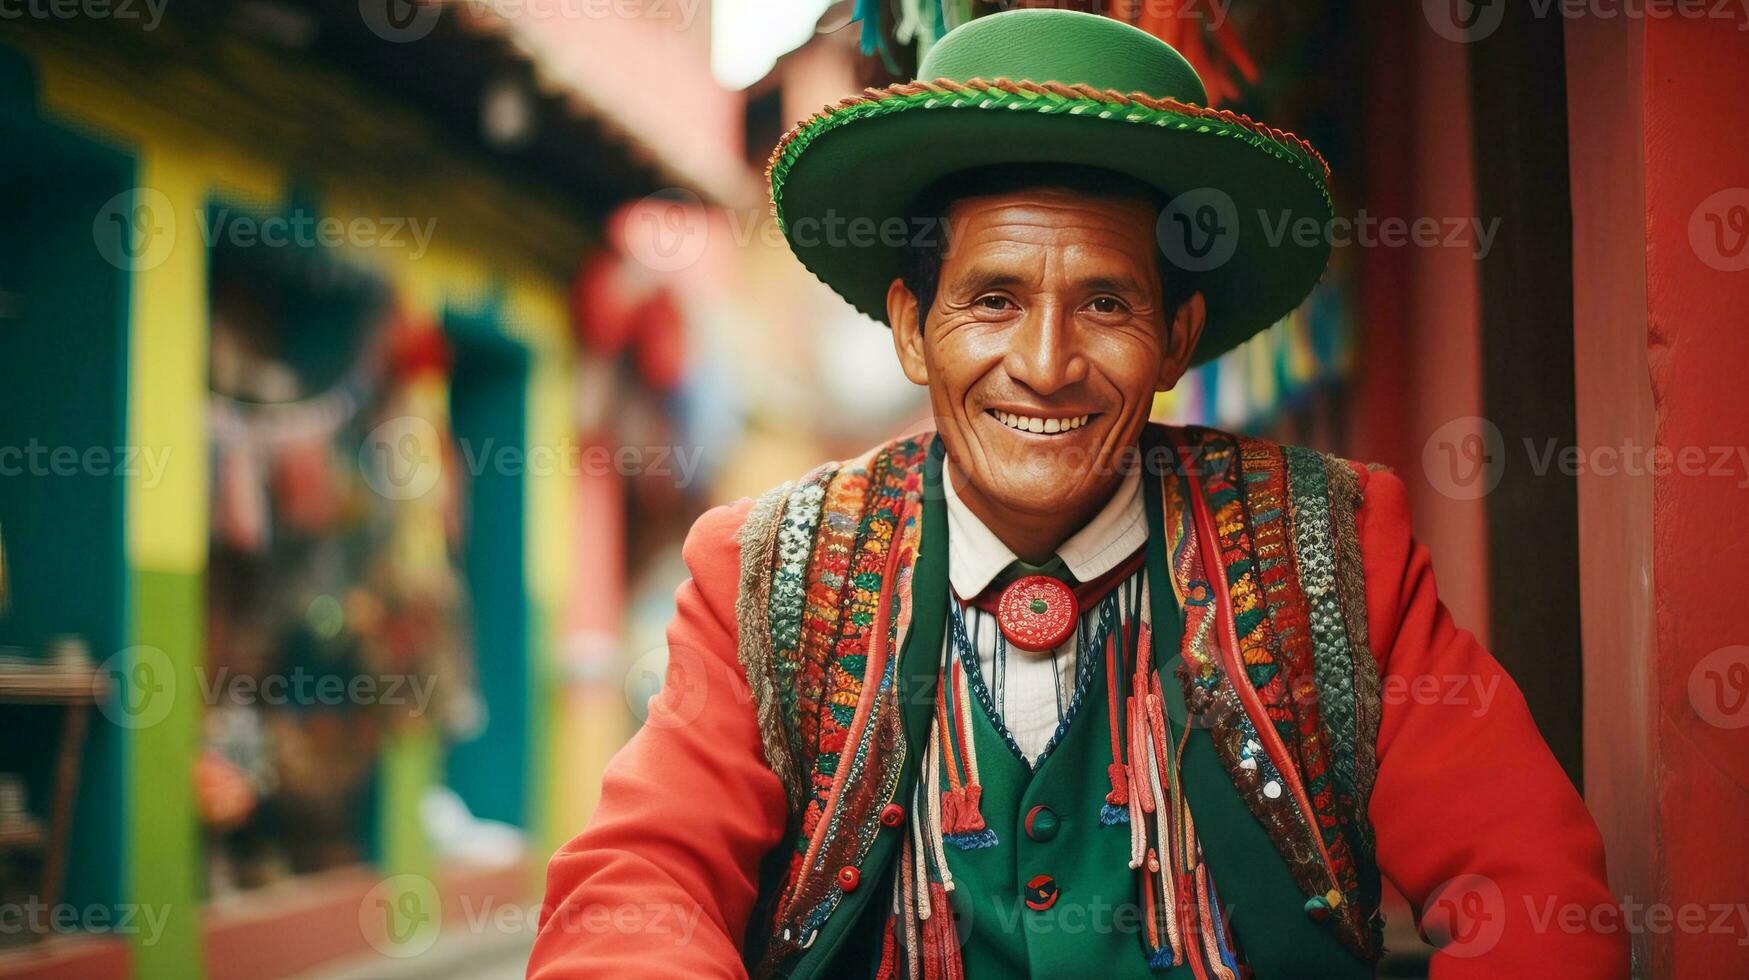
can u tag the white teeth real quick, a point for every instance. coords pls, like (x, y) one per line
(1027, 423)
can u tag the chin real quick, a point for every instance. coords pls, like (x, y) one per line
(1040, 491)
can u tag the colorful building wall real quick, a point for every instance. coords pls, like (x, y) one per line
(184, 140)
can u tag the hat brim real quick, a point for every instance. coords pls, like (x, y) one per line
(839, 179)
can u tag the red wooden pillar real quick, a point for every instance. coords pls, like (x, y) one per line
(1660, 183)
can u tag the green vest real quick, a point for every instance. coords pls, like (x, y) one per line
(1096, 917)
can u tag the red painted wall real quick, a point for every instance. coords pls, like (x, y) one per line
(1697, 292)
(1613, 393)
(1419, 349)
(1661, 206)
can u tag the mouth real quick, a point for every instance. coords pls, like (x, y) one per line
(1041, 424)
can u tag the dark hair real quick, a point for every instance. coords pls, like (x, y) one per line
(920, 268)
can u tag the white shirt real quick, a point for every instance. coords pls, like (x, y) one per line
(1033, 699)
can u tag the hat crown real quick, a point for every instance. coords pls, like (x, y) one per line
(1064, 46)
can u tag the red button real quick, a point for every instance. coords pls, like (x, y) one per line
(849, 878)
(1036, 613)
(892, 815)
(1041, 892)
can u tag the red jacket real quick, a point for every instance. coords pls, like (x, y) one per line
(1471, 811)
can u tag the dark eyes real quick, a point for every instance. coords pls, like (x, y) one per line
(1099, 305)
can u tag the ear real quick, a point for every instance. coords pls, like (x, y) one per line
(907, 323)
(1181, 341)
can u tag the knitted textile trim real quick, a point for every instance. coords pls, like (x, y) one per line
(758, 540)
(1043, 97)
(1345, 501)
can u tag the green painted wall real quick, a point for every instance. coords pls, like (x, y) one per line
(163, 828)
(489, 413)
(63, 451)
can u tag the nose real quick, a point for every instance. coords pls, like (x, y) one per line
(1044, 351)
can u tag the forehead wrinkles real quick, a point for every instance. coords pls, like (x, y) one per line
(1055, 231)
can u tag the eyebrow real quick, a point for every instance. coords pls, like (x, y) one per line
(984, 278)
(1113, 284)
(977, 278)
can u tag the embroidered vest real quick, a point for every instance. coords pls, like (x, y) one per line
(841, 613)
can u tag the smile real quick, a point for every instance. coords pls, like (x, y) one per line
(1032, 423)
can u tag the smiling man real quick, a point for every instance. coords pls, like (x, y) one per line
(1051, 690)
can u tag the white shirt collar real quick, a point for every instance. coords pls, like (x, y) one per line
(975, 555)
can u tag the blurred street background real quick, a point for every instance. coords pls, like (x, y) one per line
(364, 364)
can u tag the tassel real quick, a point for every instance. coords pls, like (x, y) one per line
(1161, 959)
(968, 832)
(941, 948)
(889, 952)
(952, 803)
(1139, 754)
(973, 802)
(869, 12)
(976, 840)
(1117, 802)
(1120, 784)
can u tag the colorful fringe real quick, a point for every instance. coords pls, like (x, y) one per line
(962, 817)
(1180, 922)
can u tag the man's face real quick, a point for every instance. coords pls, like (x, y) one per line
(1044, 347)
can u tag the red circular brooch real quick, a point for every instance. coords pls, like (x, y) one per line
(1036, 612)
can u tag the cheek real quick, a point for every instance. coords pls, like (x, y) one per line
(959, 359)
(1131, 364)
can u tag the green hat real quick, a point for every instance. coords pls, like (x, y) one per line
(1041, 86)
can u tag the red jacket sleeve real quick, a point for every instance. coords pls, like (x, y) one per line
(1477, 823)
(663, 879)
